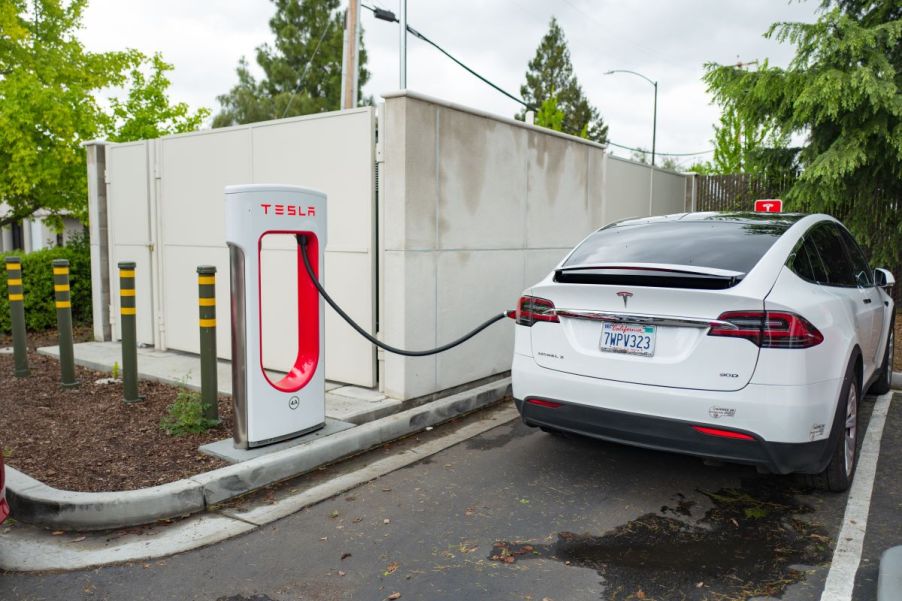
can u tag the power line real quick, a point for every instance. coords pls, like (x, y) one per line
(387, 15)
(307, 66)
(670, 154)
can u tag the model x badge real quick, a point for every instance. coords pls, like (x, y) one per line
(625, 296)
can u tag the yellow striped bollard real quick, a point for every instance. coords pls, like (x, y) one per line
(63, 298)
(17, 314)
(206, 299)
(127, 319)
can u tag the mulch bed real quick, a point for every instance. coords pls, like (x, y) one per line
(87, 438)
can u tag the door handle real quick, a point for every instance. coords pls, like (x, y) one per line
(867, 301)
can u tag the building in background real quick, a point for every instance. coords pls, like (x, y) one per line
(35, 234)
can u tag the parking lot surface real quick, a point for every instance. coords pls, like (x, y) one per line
(516, 513)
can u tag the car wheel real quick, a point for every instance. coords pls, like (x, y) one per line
(885, 380)
(841, 469)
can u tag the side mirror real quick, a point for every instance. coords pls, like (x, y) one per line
(883, 278)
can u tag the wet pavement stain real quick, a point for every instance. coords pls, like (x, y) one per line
(243, 598)
(486, 443)
(749, 544)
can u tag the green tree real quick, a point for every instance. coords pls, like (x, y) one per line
(743, 145)
(841, 91)
(146, 112)
(550, 73)
(48, 83)
(302, 70)
(549, 114)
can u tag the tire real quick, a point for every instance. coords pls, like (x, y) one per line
(837, 477)
(885, 380)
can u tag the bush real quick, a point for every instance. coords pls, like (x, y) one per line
(37, 279)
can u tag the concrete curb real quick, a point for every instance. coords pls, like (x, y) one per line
(36, 503)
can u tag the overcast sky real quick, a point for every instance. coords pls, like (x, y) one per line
(668, 41)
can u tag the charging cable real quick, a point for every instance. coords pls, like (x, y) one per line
(302, 241)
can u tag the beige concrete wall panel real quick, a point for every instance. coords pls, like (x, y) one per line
(418, 226)
(410, 317)
(482, 169)
(627, 190)
(669, 193)
(558, 210)
(471, 287)
(539, 263)
(180, 293)
(596, 187)
(194, 172)
(333, 155)
(349, 357)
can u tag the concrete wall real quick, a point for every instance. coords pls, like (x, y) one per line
(474, 209)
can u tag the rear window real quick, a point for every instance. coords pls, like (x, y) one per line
(729, 245)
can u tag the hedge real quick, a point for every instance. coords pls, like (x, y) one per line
(37, 279)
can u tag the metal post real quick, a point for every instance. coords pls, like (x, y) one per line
(206, 299)
(403, 44)
(654, 125)
(63, 299)
(350, 56)
(127, 320)
(17, 314)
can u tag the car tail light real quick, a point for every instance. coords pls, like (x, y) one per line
(723, 433)
(544, 403)
(532, 309)
(769, 329)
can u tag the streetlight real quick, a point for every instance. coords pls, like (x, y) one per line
(654, 123)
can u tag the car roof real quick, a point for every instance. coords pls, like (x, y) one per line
(742, 217)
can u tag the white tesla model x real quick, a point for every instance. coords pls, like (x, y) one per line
(745, 337)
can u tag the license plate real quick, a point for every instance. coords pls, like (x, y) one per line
(628, 338)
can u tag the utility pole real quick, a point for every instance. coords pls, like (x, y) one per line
(403, 44)
(350, 70)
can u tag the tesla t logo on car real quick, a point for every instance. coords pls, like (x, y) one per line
(769, 205)
(625, 296)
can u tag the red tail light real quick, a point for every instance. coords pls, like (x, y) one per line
(532, 309)
(722, 433)
(544, 403)
(769, 329)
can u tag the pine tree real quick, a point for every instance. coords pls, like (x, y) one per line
(550, 74)
(302, 69)
(841, 91)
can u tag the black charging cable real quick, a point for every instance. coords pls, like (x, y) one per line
(302, 241)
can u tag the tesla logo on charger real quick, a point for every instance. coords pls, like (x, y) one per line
(288, 210)
(625, 296)
(769, 205)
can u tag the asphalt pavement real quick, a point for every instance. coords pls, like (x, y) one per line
(519, 514)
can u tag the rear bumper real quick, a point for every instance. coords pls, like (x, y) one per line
(790, 424)
(676, 436)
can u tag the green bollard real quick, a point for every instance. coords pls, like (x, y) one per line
(206, 298)
(17, 314)
(129, 333)
(64, 321)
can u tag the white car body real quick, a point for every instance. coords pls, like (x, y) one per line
(712, 395)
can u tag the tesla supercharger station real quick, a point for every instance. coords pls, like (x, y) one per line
(268, 409)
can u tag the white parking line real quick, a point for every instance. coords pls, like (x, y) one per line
(847, 554)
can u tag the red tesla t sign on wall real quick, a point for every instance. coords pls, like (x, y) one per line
(770, 205)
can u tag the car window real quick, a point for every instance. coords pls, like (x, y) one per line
(863, 272)
(835, 258)
(730, 245)
(806, 263)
